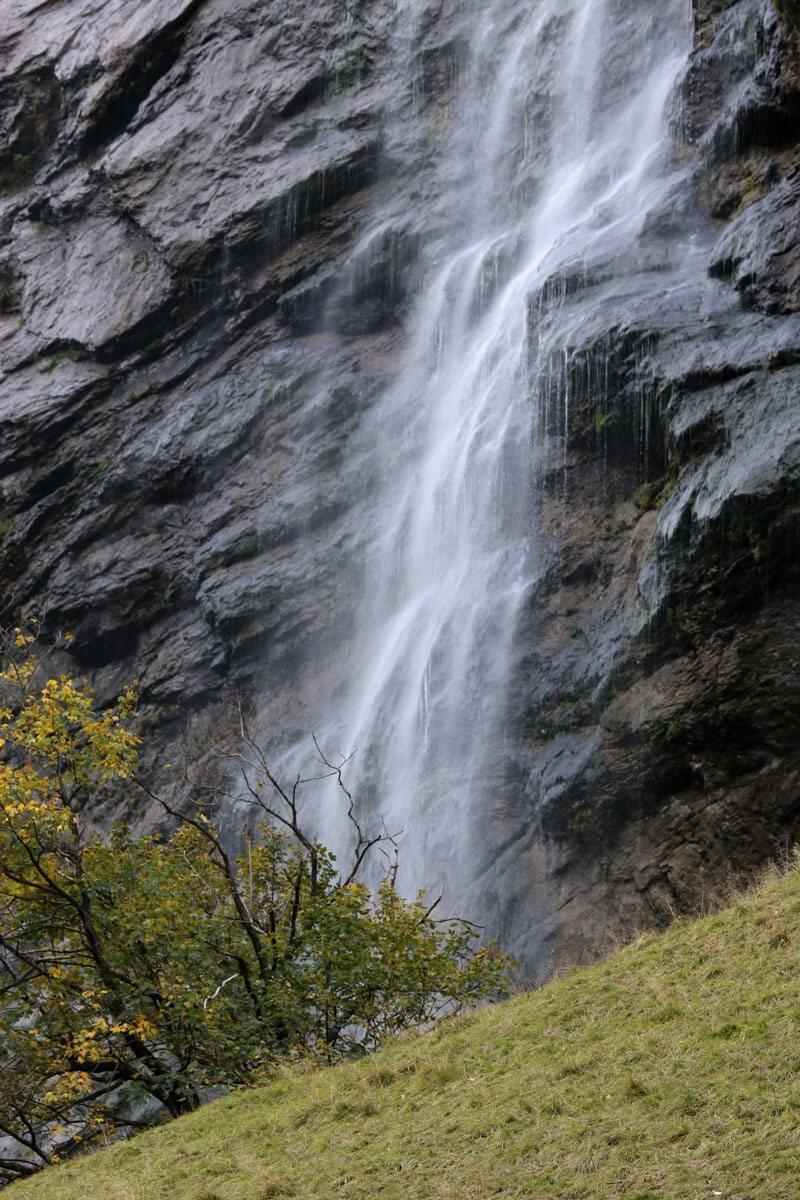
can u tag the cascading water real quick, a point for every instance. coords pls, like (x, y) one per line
(553, 156)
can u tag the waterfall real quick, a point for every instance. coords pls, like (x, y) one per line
(551, 157)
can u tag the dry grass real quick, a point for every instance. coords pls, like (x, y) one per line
(668, 1072)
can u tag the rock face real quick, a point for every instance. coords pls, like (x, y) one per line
(183, 184)
(664, 727)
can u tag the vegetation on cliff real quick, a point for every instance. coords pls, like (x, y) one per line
(134, 974)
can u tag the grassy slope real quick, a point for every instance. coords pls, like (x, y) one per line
(670, 1071)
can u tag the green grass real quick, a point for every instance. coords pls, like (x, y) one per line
(668, 1072)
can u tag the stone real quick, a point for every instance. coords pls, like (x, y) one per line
(184, 186)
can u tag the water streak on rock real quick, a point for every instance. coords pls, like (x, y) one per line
(555, 156)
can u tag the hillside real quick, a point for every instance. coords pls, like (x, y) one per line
(667, 1072)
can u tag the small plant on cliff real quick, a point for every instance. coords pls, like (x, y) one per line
(15, 173)
(136, 973)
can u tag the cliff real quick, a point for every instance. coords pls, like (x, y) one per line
(182, 186)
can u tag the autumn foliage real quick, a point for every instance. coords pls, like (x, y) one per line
(136, 974)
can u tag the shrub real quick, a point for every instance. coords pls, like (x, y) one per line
(134, 973)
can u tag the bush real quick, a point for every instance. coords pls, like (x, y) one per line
(135, 973)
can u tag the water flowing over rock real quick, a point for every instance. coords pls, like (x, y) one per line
(431, 371)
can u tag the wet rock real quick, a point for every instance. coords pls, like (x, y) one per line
(758, 251)
(192, 327)
(66, 269)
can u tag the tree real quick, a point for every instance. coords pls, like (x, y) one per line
(135, 973)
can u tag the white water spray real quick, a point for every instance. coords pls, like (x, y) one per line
(556, 153)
